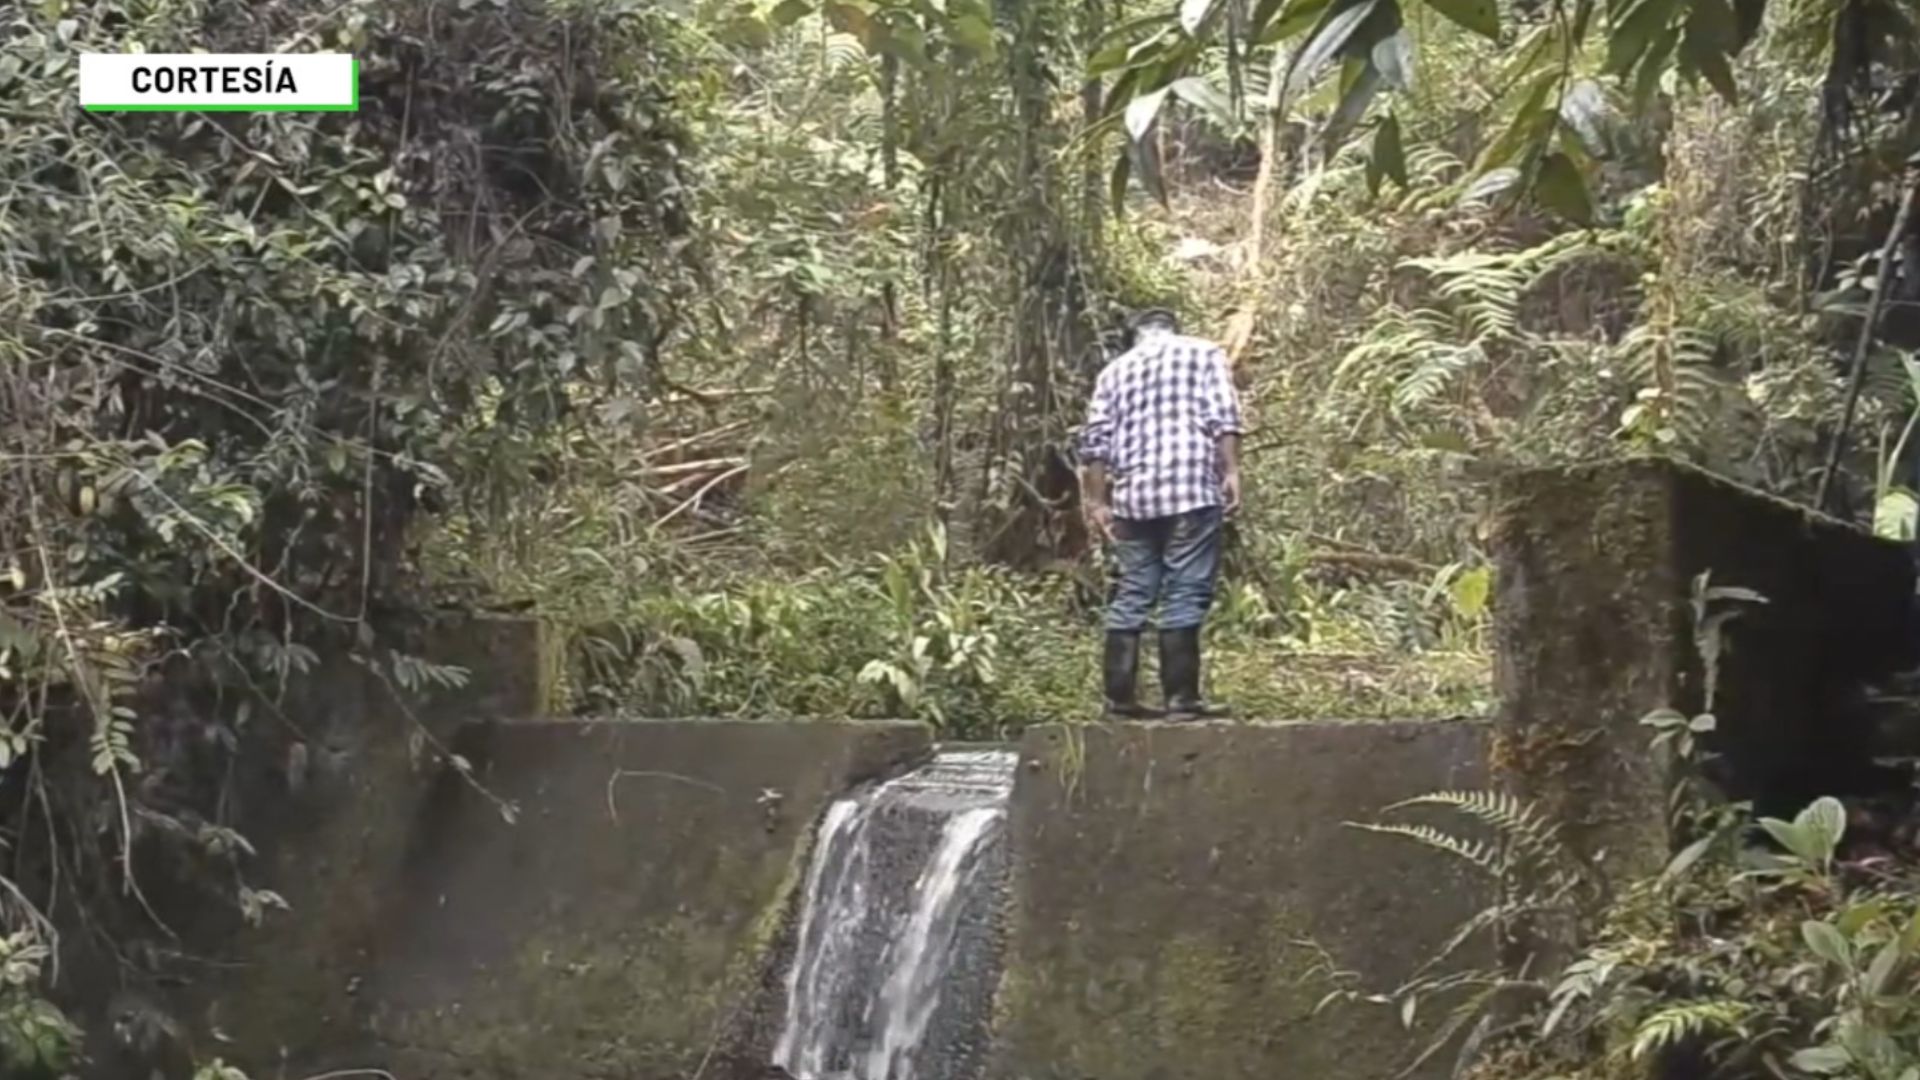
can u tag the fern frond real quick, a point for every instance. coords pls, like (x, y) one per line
(1433, 375)
(1484, 919)
(1485, 288)
(843, 52)
(1886, 380)
(1519, 821)
(1431, 166)
(1683, 391)
(1458, 1018)
(1676, 1024)
(1475, 852)
(1500, 810)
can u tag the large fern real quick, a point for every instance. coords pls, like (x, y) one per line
(1524, 857)
(1677, 1024)
(1681, 392)
(1477, 853)
(1515, 820)
(1416, 357)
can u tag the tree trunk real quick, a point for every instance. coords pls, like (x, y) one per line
(1240, 329)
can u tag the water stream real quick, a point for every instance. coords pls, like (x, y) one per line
(893, 972)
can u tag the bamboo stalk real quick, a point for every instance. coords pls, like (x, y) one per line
(683, 467)
(695, 498)
(692, 440)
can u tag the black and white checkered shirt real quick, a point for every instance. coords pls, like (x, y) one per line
(1156, 419)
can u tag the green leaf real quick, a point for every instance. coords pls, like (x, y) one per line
(1561, 189)
(1121, 90)
(1336, 28)
(1132, 54)
(1826, 819)
(1713, 22)
(1750, 14)
(1869, 1044)
(1856, 918)
(1194, 15)
(1360, 91)
(1277, 20)
(1532, 123)
(1711, 35)
(1393, 55)
(1664, 718)
(1880, 972)
(972, 33)
(1713, 66)
(745, 31)
(1895, 514)
(1126, 31)
(1582, 18)
(1635, 33)
(1686, 859)
(1471, 591)
(1142, 111)
(1490, 184)
(1480, 16)
(1198, 92)
(1108, 59)
(1653, 66)
(1827, 943)
(1117, 181)
(904, 41)
(788, 12)
(1793, 838)
(1821, 1060)
(1389, 157)
(1145, 161)
(1586, 114)
(850, 17)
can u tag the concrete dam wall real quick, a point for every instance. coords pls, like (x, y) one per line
(1179, 900)
(1140, 902)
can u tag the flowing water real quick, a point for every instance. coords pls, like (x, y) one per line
(894, 968)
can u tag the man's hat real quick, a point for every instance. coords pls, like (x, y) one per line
(1149, 316)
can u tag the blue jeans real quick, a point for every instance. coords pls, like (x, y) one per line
(1173, 560)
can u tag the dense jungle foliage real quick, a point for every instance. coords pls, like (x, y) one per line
(744, 341)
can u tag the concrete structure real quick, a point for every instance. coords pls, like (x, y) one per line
(1182, 898)
(1186, 896)
(621, 925)
(1594, 628)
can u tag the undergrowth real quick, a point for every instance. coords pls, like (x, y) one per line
(982, 651)
(1767, 949)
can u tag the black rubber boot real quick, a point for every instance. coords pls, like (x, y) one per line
(1121, 667)
(1180, 676)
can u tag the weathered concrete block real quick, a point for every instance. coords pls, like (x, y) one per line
(1183, 895)
(615, 929)
(513, 665)
(329, 776)
(1594, 629)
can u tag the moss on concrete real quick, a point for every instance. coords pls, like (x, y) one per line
(617, 930)
(1594, 628)
(1184, 896)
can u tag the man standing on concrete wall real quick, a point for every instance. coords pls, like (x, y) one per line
(1160, 460)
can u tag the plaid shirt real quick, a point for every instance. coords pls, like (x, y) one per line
(1156, 419)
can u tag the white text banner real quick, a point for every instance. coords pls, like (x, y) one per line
(215, 82)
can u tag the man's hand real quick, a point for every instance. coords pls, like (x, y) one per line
(1230, 491)
(1100, 518)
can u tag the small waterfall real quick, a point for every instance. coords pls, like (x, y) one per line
(893, 973)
